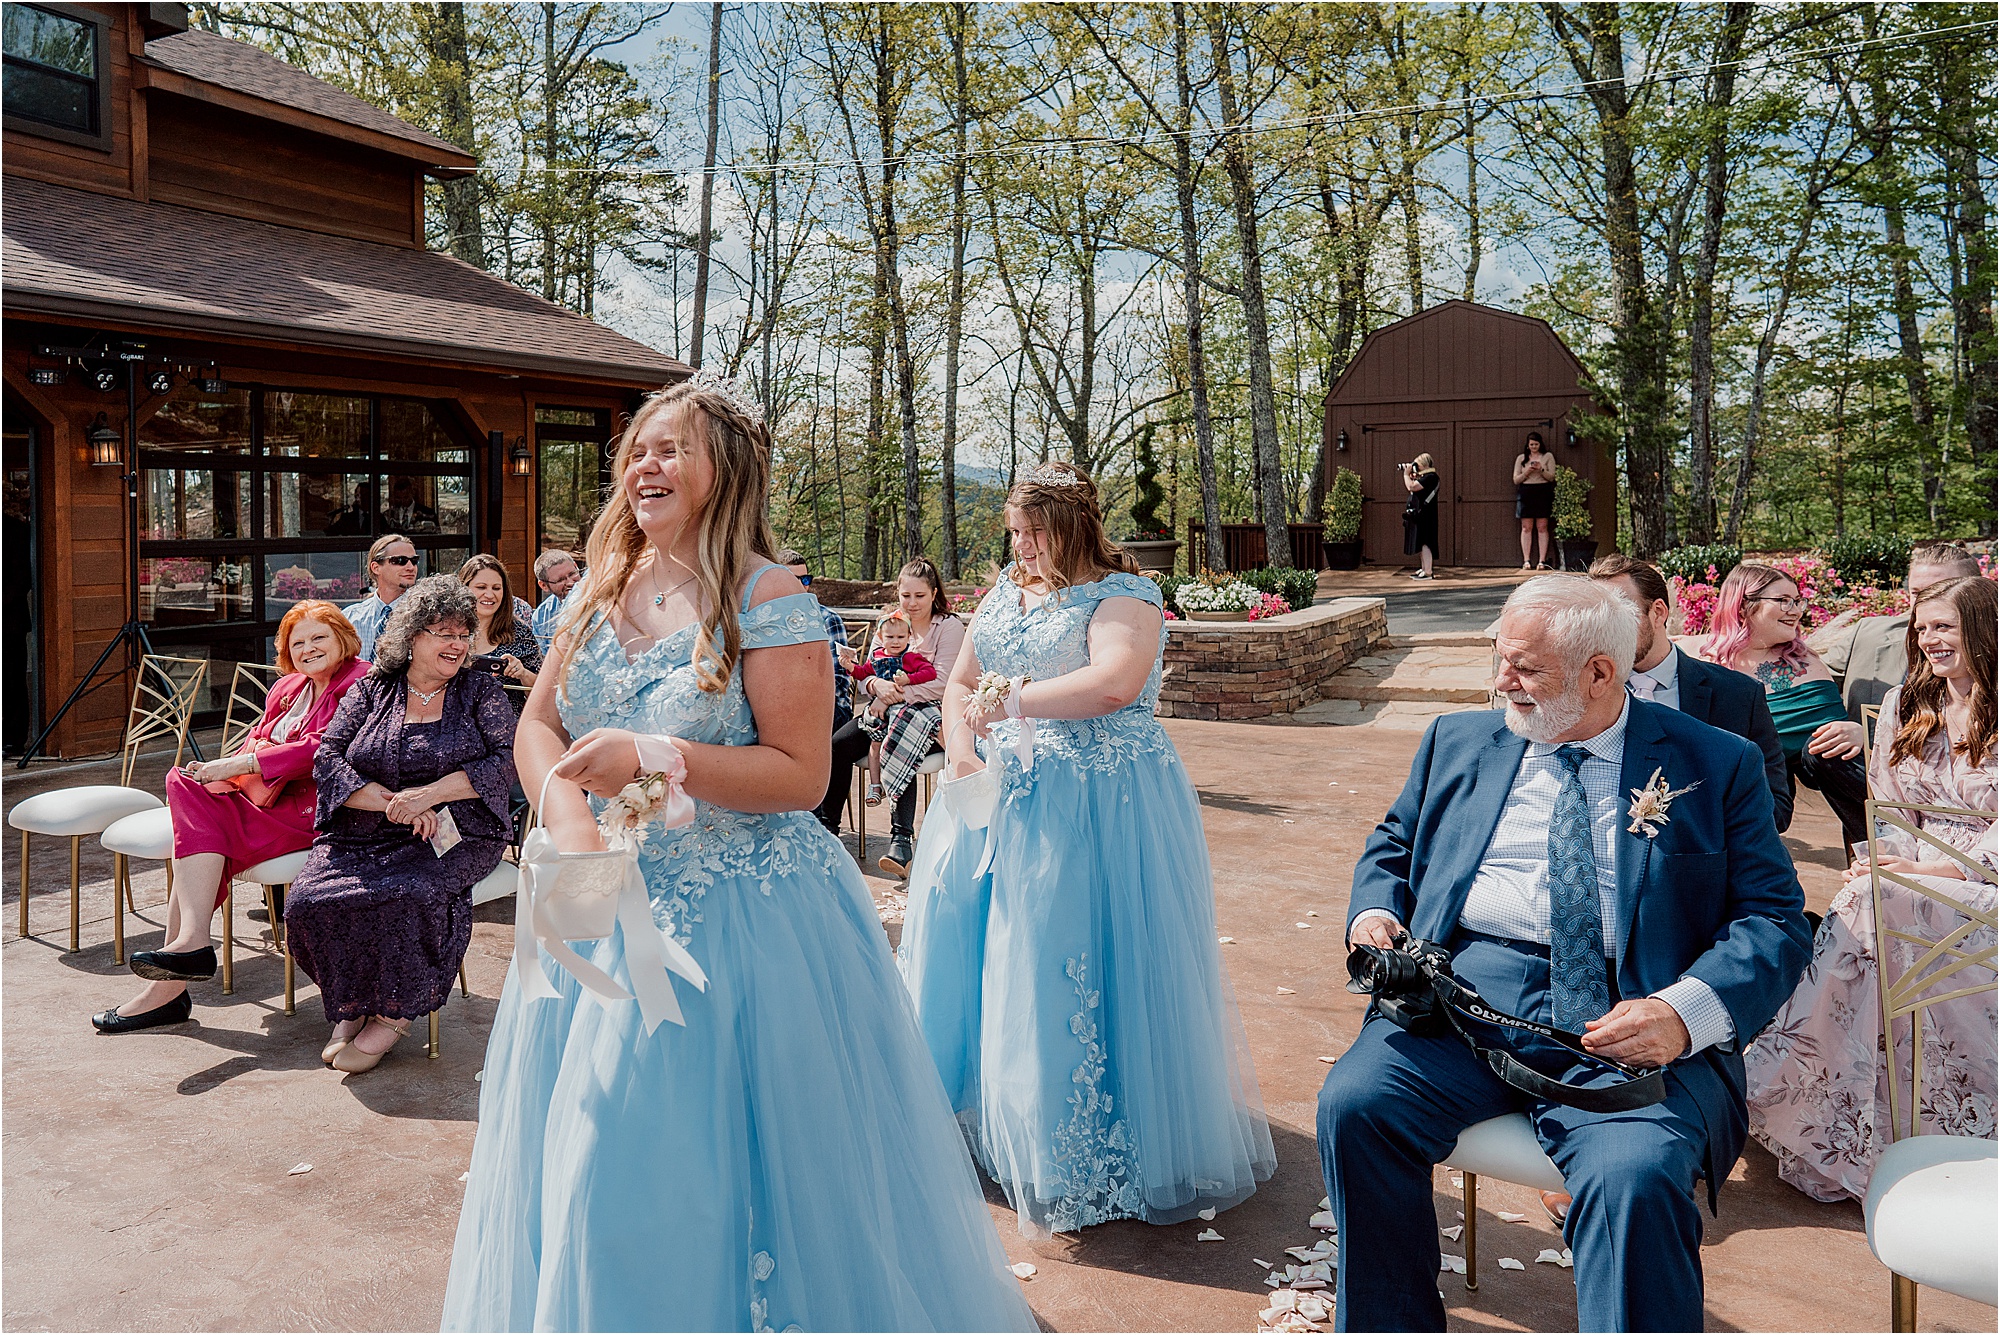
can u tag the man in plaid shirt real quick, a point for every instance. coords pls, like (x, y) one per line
(836, 634)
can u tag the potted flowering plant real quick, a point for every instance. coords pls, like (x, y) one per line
(1152, 543)
(1213, 597)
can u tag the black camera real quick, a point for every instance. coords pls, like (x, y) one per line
(1403, 980)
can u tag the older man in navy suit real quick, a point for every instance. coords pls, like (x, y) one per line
(1663, 942)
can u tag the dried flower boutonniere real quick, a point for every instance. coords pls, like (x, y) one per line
(1649, 805)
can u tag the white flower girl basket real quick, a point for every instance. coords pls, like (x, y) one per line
(564, 897)
(965, 803)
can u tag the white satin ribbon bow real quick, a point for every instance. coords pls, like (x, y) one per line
(1024, 739)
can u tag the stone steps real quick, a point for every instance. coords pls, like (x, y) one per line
(1444, 669)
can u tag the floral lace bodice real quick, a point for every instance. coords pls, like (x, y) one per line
(657, 691)
(1053, 639)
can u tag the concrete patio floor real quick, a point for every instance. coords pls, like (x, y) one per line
(147, 1181)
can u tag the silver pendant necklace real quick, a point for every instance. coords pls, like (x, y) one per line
(660, 598)
(424, 698)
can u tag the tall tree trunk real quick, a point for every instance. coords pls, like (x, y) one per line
(887, 108)
(1212, 557)
(1243, 194)
(1471, 193)
(1965, 118)
(960, 16)
(552, 90)
(1701, 320)
(451, 66)
(878, 355)
(705, 222)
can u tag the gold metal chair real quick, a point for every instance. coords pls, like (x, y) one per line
(1930, 1212)
(1869, 715)
(163, 703)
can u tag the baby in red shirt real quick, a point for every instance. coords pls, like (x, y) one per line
(893, 660)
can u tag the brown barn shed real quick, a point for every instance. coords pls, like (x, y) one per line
(1465, 383)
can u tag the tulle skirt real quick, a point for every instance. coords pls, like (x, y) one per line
(787, 1159)
(1067, 978)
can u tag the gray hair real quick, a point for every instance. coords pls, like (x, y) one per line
(552, 558)
(439, 598)
(1580, 618)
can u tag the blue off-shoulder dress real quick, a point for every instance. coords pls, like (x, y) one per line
(787, 1159)
(1067, 976)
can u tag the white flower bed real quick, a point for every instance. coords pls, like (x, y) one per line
(1231, 597)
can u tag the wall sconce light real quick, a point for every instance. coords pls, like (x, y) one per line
(521, 459)
(1569, 437)
(1340, 441)
(47, 375)
(104, 378)
(106, 444)
(160, 382)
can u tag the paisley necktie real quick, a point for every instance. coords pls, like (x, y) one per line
(1578, 987)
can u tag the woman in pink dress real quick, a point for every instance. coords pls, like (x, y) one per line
(235, 812)
(1818, 1079)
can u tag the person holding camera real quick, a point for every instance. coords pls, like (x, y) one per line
(503, 643)
(1608, 870)
(1535, 500)
(1420, 513)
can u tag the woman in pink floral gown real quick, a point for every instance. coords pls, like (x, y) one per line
(1818, 1082)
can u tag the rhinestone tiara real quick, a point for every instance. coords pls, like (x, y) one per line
(1055, 473)
(737, 391)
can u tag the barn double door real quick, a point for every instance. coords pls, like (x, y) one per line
(1476, 524)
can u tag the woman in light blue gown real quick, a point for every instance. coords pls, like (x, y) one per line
(786, 1157)
(1063, 958)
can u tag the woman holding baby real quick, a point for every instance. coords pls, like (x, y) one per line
(903, 720)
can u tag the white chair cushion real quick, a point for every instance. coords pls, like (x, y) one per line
(86, 809)
(500, 883)
(144, 834)
(931, 763)
(279, 870)
(1505, 1147)
(1933, 1213)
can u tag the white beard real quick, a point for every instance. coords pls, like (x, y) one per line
(1549, 719)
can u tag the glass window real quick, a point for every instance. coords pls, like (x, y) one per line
(412, 431)
(309, 505)
(570, 476)
(189, 504)
(192, 590)
(315, 426)
(51, 62)
(419, 505)
(192, 420)
(442, 561)
(293, 577)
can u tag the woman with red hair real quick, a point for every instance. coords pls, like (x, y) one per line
(237, 811)
(1759, 631)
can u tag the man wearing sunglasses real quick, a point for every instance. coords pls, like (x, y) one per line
(392, 568)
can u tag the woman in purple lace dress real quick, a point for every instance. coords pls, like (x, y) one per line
(1818, 1077)
(413, 779)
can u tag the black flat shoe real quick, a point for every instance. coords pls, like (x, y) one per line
(175, 966)
(174, 1012)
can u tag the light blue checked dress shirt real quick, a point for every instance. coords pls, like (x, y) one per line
(1509, 896)
(542, 621)
(367, 618)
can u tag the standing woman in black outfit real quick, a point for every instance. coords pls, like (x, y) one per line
(1534, 499)
(1420, 513)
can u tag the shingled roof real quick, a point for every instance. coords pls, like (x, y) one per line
(226, 63)
(74, 253)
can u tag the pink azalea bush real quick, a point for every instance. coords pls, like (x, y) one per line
(1695, 600)
(1269, 605)
(1819, 584)
(294, 583)
(180, 570)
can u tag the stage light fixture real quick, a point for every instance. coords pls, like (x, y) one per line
(104, 378)
(160, 382)
(47, 375)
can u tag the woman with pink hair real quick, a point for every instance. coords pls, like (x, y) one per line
(1758, 631)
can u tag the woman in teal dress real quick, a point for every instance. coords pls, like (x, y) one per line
(1758, 630)
(1063, 958)
(780, 1154)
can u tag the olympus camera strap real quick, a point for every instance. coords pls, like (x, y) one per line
(1641, 1088)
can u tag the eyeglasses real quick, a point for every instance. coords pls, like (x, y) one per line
(1788, 604)
(806, 580)
(448, 637)
(397, 560)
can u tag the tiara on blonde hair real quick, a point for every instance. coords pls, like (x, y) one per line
(1056, 473)
(736, 391)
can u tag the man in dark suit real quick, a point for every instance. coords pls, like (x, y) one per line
(1664, 935)
(1663, 675)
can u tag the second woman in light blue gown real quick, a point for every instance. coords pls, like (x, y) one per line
(1063, 958)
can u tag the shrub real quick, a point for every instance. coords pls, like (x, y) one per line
(1210, 592)
(1170, 587)
(1819, 584)
(1572, 515)
(1343, 506)
(1886, 555)
(1693, 563)
(1297, 587)
(1694, 600)
(1146, 492)
(1269, 605)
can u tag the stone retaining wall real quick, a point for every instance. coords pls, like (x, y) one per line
(1251, 669)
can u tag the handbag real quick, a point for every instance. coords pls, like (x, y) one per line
(563, 897)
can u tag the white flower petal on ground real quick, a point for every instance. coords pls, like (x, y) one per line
(1208, 1235)
(1225, 940)
(1326, 1202)
(1291, 822)
(1455, 1264)
(1567, 1260)
(1023, 1269)
(1458, 1184)
(1549, 1256)
(1312, 913)
(1306, 925)
(1282, 1302)
(1258, 1260)
(1314, 1309)
(1323, 1248)
(1286, 992)
(1300, 1254)
(1509, 1263)
(1459, 1213)
(1321, 1219)
(1329, 1060)
(1453, 1232)
(465, 1175)
(1509, 1217)
(298, 1168)
(1209, 1213)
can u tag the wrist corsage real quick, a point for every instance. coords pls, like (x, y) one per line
(656, 797)
(990, 696)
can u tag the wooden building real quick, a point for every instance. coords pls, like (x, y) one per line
(246, 243)
(1464, 383)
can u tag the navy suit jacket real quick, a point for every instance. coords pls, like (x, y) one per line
(1713, 895)
(1734, 702)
